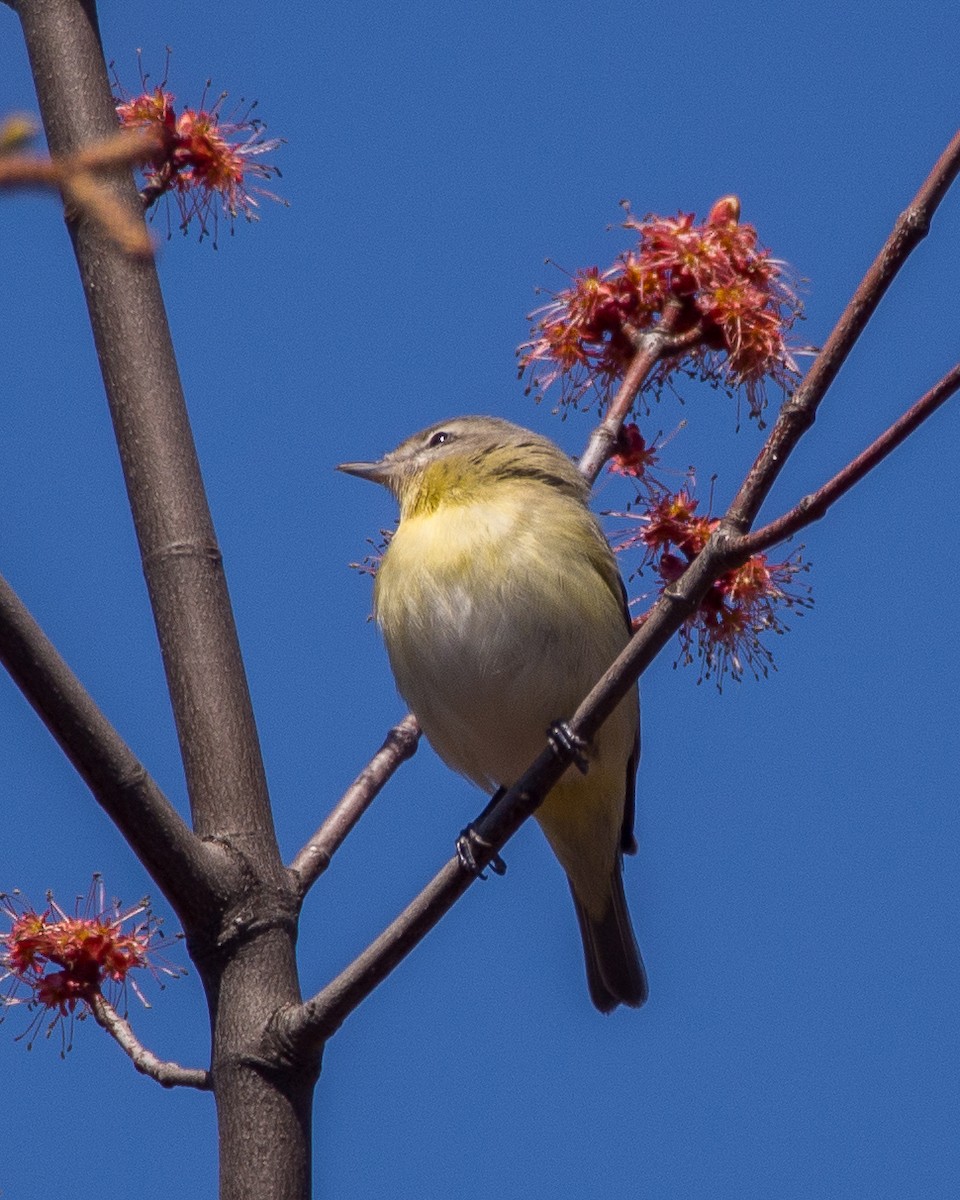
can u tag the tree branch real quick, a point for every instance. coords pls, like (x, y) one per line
(309, 1025)
(181, 559)
(249, 969)
(400, 744)
(811, 508)
(652, 345)
(174, 856)
(167, 1074)
(799, 413)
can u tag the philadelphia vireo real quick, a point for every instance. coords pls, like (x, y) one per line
(501, 606)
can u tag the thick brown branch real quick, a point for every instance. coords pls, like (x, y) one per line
(181, 865)
(811, 508)
(799, 413)
(181, 560)
(167, 1074)
(400, 744)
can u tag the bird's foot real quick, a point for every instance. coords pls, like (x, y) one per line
(468, 843)
(568, 746)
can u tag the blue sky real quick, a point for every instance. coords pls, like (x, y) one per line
(795, 894)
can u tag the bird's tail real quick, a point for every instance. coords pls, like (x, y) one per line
(615, 973)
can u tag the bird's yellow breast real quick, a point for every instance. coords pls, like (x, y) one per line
(498, 615)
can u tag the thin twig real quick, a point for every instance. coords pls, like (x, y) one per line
(799, 413)
(167, 1074)
(652, 346)
(78, 178)
(811, 508)
(400, 744)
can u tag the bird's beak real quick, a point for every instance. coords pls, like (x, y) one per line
(376, 472)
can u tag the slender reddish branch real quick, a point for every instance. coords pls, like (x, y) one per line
(652, 345)
(811, 508)
(400, 744)
(799, 413)
(310, 1024)
(167, 1074)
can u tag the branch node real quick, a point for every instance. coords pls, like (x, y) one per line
(915, 220)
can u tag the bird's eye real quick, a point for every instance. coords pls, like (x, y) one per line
(440, 438)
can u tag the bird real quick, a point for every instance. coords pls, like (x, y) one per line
(500, 605)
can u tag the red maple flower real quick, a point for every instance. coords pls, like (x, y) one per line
(740, 609)
(672, 521)
(206, 163)
(56, 962)
(720, 286)
(633, 455)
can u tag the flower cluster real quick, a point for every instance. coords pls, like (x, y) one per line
(729, 302)
(202, 158)
(743, 605)
(61, 961)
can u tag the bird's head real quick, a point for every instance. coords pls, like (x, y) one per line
(459, 461)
